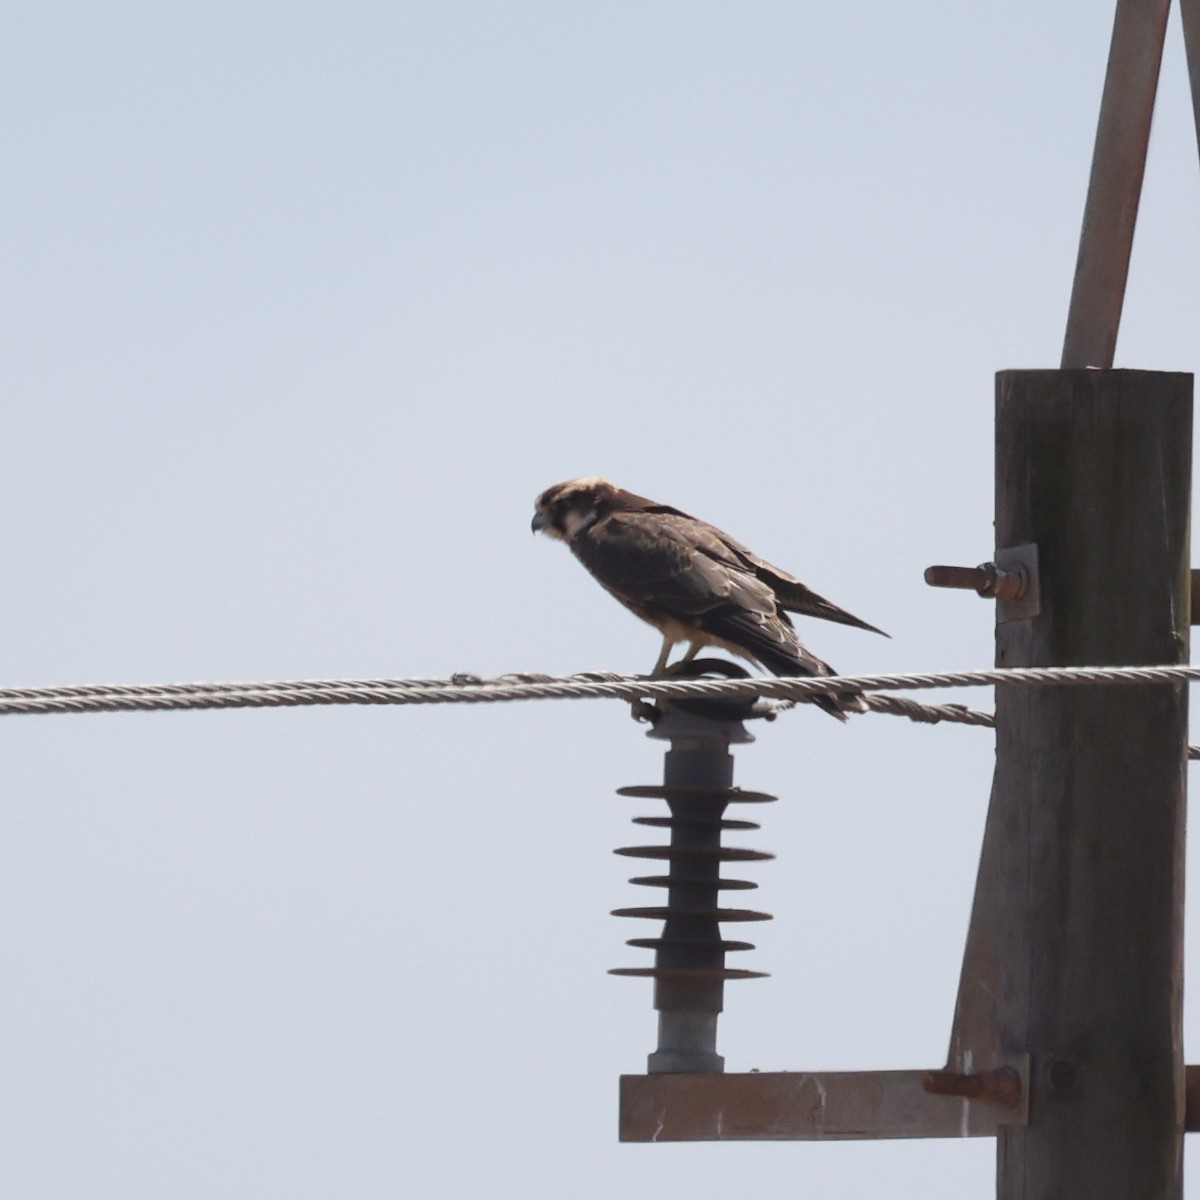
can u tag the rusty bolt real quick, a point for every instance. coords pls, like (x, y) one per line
(987, 579)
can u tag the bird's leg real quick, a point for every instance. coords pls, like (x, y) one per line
(640, 710)
(661, 666)
(693, 650)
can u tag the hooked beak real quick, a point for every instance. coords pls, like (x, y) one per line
(538, 523)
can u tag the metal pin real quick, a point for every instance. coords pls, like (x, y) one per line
(1001, 1086)
(987, 579)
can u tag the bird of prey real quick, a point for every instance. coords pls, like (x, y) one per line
(691, 581)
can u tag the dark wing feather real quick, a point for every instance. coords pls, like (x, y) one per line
(797, 598)
(668, 564)
(768, 639)
(662, 563)
(656, 560)
(793, 595)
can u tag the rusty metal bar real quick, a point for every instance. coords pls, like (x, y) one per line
(982, 579)
(987, 580)
(968, 579)
(815, 1106)
(1118, 164)
(1001, 1086)
(801, 1106)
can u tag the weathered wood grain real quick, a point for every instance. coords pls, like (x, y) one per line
(1094, 466)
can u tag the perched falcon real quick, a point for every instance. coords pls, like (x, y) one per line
(691, 581)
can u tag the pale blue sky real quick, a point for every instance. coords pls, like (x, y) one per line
(303, 304)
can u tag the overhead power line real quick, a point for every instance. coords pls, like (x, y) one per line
(470, 689)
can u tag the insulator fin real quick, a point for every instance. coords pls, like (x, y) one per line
(686, 974)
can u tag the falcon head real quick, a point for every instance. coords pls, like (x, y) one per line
(563, 510)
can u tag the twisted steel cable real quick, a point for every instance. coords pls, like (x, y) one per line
(470, 689)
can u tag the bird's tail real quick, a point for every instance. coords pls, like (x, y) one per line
(784, 663)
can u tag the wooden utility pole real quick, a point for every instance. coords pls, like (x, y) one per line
(1094, 468)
